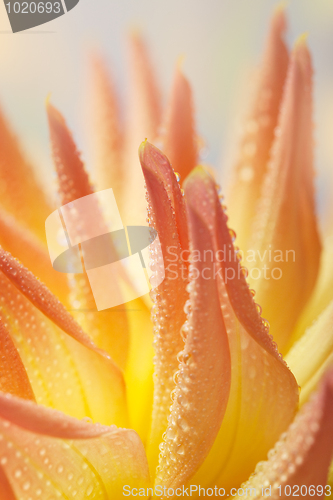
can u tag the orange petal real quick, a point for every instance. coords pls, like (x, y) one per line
(108, 329)
(47, 454)
(169, 297)
(73, 179)
(20, 241)
(258, 136)
(203, 380)
(14, 379)
(179, 140)
(64, 374)
(143, 121)
(286, 237)
(302, 457)
(107, 135)
(16, 195)
(264, 394)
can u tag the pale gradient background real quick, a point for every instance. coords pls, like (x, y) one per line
(221, 40)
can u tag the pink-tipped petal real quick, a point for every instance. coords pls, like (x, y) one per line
(70, 374)
(107, 134)
(40, 420)
(286, 235)
(260, 125)
(143, 122)
(203, 379)
(73, 184)
(49, 455)
(179, 139)
(19, 187)
(170, 296)
(13, 379)
(264, 393)
(300, 460)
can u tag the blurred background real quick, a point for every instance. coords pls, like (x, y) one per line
(221, 40)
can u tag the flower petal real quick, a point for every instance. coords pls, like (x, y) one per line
(170, 296)
(203, 380)
(322, 294)
(260, 125)
(70, 374)
(20, 241)
(179, 140)
(107, 136)
(264, 393)
(143, 121)
(103, 327)
(286, 222)
(16, 195)
(311, 356)
(303, 454)
(14, 379)
(50, 455)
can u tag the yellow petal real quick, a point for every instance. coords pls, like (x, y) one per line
(300, 460)
(286, 241)
(140, 368)
(322, 294)
(311, 356)
(70, 374)
(16, 195)
(258, 135)
(45, 454)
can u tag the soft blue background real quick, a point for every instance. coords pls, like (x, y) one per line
(221, 40)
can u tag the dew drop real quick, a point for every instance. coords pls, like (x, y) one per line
(178, 177)
(232, 235)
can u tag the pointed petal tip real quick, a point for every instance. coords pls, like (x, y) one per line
(279, 18)
(301, 41)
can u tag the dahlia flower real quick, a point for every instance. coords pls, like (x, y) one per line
(191, 388)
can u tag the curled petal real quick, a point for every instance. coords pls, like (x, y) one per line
(170, 296)
(45, 453)
(264, 393)
(302, 456)
(258, 136)
(286, 235)
(179, 140)
(14, 379)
